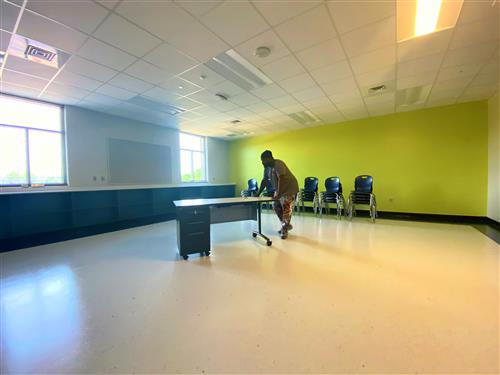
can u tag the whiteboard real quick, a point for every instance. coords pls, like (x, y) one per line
(132, 162)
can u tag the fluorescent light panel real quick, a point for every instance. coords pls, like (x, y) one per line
(423, 17)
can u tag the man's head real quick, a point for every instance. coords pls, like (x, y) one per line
(267, 158)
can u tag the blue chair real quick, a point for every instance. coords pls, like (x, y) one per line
(309, 194)
(362, 194)
(252, 189)
(332, 194)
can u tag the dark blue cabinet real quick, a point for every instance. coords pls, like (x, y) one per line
(30, 219)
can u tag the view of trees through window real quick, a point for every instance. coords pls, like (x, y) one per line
(31, 143)
(193, 168)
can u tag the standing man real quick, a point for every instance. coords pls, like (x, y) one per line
(286, 188)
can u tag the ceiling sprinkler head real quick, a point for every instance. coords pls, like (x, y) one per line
(262, 51)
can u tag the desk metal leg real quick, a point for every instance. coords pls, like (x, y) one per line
(259, 224)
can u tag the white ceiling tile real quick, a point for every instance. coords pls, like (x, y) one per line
(161, 18)
(235, 22)
(29, 67)
(275, 12)
(424, 46)
(66, 90)
(202, 76)
(424, 78)
(374, 60)
(471, 54)
(126, 36)
(307, 29)
(282, 101)
(485, 79)
(198, 8)
(354, 104)
(4, 40)
(84, 15)
(102, 53)
(345, 96)
(478, 92)
(89, 69)
(259, 107)
(266, 39)
(436, 96)
(102, 99)
(474, 33)
(341, 87)
(297, 83)
(244, 99)
(25, 80)
(170, 59)
(424, 64)
(331, 118)
(110, 4)
(59, 99)
(458, 84)
(49, 32)
(160, 95)
(180, 86)
(127, 82)
(350, 15)
(381, 110)
(67, 77)
(380, 99)
(147, 72)
(239, 113)
(198, 41)
(473, 10)
(439, 102)
(330, 73)
(309, 94)
(223, 106)
(410, 107)
(8, 16)
(19, 90)
(204, 96)
(226, 88)
(269, 91)
(186, 103)
(378, 76)
(317, 102)
(321, 55)
(292, 108)
(370, 38)
(283, 68)
(116, 92)
(355, 114)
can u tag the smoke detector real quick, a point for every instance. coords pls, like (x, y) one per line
(262, 51)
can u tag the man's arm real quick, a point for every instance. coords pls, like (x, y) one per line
(277, 193)
(262, 186)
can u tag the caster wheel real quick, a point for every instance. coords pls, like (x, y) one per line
(269, 243)
(207, 253)
(185, 257)
(254, 235)
(202, 254)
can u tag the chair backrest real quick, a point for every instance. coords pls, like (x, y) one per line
(311, 184)
(333, 185)
(363, 184)
(252, 185)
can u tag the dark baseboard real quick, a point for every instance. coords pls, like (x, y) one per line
(15, 243)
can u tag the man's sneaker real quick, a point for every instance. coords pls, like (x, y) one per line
(290, 227)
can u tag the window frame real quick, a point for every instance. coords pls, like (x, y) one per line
(204, 156)
(27, 129)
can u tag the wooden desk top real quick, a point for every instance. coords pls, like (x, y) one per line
(221, 201)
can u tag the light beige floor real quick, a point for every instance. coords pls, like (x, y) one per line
(394, 297)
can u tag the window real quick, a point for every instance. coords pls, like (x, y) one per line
(31, 143)
(192, 158)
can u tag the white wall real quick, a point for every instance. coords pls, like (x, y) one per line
(87, 135)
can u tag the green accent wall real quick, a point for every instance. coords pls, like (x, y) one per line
(427, 161)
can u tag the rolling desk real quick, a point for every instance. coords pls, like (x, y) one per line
(194, 217)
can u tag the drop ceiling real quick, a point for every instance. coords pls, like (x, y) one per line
(325, 55)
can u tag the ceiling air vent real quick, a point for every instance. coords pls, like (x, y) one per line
(304, 117)
(236, 69)
(412, 96)
(377, 89)
(37, 52)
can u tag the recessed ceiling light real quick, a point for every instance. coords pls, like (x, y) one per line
(427, 16)
(262, 51)
(181, 87)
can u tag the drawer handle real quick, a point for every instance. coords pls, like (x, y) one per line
(196, 222)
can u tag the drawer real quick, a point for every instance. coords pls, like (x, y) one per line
(194, 226)
(193, 214)
(194, 242)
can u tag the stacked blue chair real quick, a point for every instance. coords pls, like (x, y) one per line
(309, 194)
(332, 194)
(252, 189)
(362, 194)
